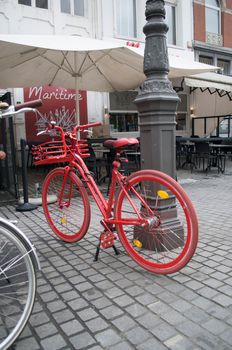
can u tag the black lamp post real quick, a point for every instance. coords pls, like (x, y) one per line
(157, 101)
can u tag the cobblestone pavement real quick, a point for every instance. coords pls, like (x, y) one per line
(114, 304)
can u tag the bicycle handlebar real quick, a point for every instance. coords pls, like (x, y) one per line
(21, 108)
(85, 126)
(30, 104)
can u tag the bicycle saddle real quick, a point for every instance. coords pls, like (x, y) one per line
(120, 143)
(3, 105)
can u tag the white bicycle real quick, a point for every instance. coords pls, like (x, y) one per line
(18, 265)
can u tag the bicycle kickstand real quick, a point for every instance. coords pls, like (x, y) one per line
(106, 240)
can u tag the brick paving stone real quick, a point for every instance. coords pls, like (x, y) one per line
(151, 344)
(181, 305)
(123, 300)
(72, 327)
(87, 314)
(149, 320)
(63, 316)
(223, 300)
(101, 303)
(114, 292)
(111, 312)
(196, 315)
(124, 323)
(78, 304)
(134, 291)
(179, 342)
(211, 282)
(164, 331)
(27, 343)
(49, 296)
(124, 283)
(145, 299)
(173, 317)
(92, 294)
(209, 342)
(56, 305)
(54, 342)
(70, 295)
(227, 337)
(136, 310)
(82, 340)
(97, 324)
(215, 326)
(122, 346)
(226, 290)
(46, 330)
(38, 319)
(137, 335)
(208, 292)
(107, 338)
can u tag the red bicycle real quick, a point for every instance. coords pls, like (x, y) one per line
(149, 211)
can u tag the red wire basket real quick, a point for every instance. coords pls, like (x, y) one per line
(50, 153)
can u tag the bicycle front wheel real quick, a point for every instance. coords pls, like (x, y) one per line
(66, 205)
(168, 240)
(17, 287)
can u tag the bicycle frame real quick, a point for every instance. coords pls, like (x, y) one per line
(105, 206)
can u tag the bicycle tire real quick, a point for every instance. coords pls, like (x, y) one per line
(17, 286)
(70, 219)
(170, 243)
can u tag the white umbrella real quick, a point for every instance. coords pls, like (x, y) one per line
(68, 62)
(77, 62)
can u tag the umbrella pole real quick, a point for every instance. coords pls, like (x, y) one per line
(77, 112)
(77, 97)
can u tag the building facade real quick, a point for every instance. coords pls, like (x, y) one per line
(212, 44)
(117, 20)
(200, 28)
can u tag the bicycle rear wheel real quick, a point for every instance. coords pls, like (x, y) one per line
(169, 241)
(17, 287)
(66, 205)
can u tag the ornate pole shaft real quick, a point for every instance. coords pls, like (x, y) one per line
(157, 101)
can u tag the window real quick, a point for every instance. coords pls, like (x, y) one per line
(126, 18)
(225, 65)
(123, 122)
(212, 16)
(25, 2)
(65, 6)
(79, 8)
(171, 21)
(75, 7)
(206, 60)
(181, 114)
(43, 4)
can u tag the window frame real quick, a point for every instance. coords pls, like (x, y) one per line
(218, 9)
(173, 6)
(33, 5)
(116, 31)
(72, 9)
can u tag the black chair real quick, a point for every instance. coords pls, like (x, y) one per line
(208, 158)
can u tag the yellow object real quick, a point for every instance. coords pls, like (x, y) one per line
(63, 221)
(163, 194)
(137, 243)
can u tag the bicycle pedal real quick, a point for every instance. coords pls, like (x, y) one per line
(107, 239)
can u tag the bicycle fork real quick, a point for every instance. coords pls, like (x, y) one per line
(106, 240)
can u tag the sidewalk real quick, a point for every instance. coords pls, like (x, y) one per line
(114, 304)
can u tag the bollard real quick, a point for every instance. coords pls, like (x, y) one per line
(26, 206)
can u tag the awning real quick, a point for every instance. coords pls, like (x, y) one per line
(209, 81)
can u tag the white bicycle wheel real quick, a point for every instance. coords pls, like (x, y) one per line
(17, 287)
